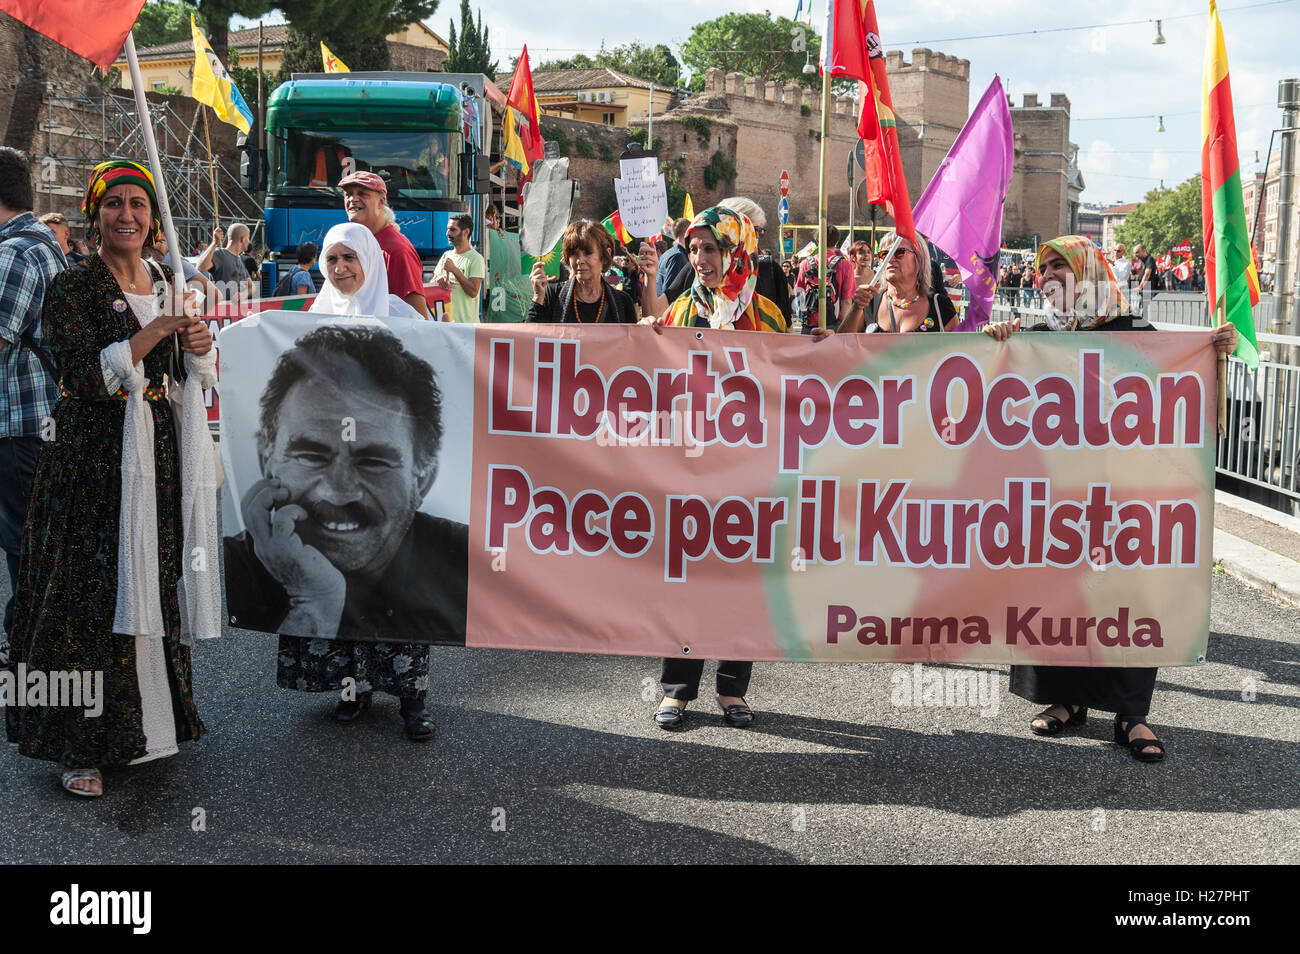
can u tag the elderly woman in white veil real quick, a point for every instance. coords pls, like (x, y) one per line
(356, 282)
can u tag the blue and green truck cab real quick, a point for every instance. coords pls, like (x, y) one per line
(423, 133)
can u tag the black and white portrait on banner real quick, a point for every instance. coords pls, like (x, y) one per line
(346, 446)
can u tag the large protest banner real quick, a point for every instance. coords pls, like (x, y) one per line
(750, 496)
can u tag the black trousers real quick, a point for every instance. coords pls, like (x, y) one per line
(681, 678)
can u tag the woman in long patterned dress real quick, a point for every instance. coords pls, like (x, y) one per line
(80, 607)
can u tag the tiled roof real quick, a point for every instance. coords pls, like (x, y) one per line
(563, 81)
(1124, 209)
(273, 39)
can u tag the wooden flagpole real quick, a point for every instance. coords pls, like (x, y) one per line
(822, 198)
(155, 167)
(212, 172)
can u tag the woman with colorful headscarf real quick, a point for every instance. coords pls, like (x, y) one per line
(723, 249)
(103, 560)
(1081, 294)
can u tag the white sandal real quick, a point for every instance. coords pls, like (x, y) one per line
(67, 776)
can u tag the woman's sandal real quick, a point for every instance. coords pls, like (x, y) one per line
(1141, 749)
(68, 776)
(1078, 716)
(669, 716)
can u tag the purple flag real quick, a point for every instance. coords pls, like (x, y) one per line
(961, 209)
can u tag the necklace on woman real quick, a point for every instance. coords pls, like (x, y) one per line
(904, 302)
(120, 279)
(599, 311)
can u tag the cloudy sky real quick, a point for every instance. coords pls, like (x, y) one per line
(1118, 83)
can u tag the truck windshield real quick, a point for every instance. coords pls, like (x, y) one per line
(417, 165)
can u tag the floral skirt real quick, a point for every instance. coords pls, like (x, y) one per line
(321, 665)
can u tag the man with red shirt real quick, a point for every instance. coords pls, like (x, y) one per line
(365, 199)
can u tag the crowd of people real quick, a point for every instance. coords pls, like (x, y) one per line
(91, 513)
(1140, 276)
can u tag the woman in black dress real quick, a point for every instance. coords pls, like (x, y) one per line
(98, 592)
(909, 303)
(586, 298)
(1081, 294)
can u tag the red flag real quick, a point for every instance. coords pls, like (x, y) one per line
(524, 100)
(94, 29)
(845, 51)
(885, 182)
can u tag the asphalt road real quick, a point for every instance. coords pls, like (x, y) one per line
(550, 757)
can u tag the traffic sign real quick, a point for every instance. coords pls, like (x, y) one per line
(783, 210)
(785, 183)
(860, 155)
(860, 197)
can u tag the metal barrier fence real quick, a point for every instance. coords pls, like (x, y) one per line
(1262, 442)
(1191, 309)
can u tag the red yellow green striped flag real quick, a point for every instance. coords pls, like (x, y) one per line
(1231, 281)
(614, 226)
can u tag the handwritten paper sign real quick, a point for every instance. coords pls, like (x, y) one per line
(642, 196)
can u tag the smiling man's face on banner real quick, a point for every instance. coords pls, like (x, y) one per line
(345, 451)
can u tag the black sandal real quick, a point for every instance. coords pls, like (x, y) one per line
(1078, 716)
(1140, 748)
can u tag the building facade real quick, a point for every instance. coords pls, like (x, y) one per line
(170, 66)
(600, 95)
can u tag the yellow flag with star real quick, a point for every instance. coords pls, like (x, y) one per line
(332, 63)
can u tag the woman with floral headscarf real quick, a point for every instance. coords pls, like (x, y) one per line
(103, 570)
(1081, 294)
(723, 249)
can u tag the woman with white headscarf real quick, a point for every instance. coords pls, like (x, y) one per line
(356, 282)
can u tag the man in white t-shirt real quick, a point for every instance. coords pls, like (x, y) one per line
(1120, 264)
(462, 270)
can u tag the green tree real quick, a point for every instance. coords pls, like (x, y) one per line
(165, 21)
(756, 44)
(471, 50)
(652, 63)
(1164, 218)
(360, 51)
(355, 30)
(580, 61)
(217, 13)
(373, 17)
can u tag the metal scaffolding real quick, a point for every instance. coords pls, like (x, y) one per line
(82, 131)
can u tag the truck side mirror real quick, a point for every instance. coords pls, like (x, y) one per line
(475, 177)
(252, 165)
